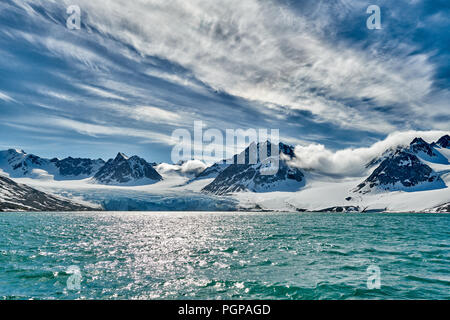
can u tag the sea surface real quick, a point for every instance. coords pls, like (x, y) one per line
(233, 255)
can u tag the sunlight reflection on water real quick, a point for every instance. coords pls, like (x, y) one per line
(170, 255)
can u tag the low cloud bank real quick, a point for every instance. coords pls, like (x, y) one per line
(191, 167)
(352, 162)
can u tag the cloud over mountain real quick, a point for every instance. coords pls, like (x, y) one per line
(352, 162)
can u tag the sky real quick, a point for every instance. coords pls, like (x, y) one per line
(138, 70)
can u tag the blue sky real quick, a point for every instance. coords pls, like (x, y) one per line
(137, 70)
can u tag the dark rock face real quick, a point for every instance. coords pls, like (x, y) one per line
(401, 171)
(418, 145)
(242, 175)
(78, 166)
(19, 197)
(444, 142)
(443, 209)
(341, 209)
(126, 170)
(385, 155)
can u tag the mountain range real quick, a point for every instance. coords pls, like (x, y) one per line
(400, 171)
(117, 171)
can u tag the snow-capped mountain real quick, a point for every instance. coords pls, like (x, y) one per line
(17, 163)
(250, 177)
(19, 197)
(121, 170)
(407, 168)
(124, 170)
(402, 171)
(419, 147)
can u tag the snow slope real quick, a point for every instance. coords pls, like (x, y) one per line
(18, 197)
(172, 193)
(319, 194)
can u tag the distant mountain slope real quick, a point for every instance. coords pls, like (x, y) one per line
(249, 177)
(212, 171)
(124, 170)
(19, 197)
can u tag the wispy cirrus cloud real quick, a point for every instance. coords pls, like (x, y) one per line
(94, 129)
(5, 97)
(310, 68)
(245, 49)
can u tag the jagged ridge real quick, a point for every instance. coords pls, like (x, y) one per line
(122, 169)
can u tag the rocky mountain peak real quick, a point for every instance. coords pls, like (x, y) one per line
(125, 170)
(121, 157)
(402, 170)
(16, 151)
(444, 141)
(246, 174)
(419, 145)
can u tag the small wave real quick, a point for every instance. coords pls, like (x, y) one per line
(39, 275)
(428, 280)
(336, 252)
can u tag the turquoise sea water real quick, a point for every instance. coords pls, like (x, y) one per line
(125, 255)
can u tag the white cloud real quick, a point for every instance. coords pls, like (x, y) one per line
(103, 130)
(155, 115)
(245, 48)
(101, 93)
(176, 79)
(190, 167)
(5, 97)
(54, 94)
(351, 162)
(253, 49)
